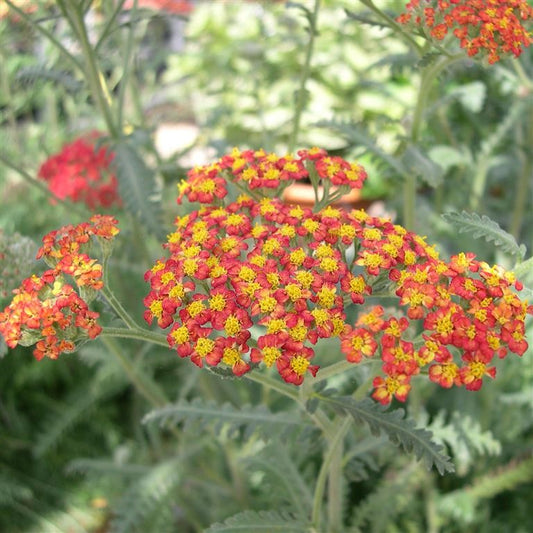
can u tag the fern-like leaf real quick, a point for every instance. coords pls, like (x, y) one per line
(460, 504)
(419, 164)
(249, 418)
(76, 409)
(144, 496)
(378, 511)
(483, 226)
(138, 187)
(400, 431)
(282, 473)
(33, 74)
(260, 522)
(464, 437)
(12, 490)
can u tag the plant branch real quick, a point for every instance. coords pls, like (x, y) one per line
(393, 25)
(137, 333)
(146, 389)
(426, 82)
(93, 75)
(301, 94)
(330, 469)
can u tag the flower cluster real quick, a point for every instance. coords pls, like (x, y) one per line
(256, 281)
(489, 28)
(48, 311)
(464, 312)
(268, 174)
(82, 172)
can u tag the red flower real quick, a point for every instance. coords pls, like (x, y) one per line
(82, 173)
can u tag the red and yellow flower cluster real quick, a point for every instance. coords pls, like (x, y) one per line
(48, 311)
(81, 172)
(268, 174)
(489, 28)
(253, 281)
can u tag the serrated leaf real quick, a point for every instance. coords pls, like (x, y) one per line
(281, 471)
(32, 74)
(145, 495)
(428, 59)
(483, 226)
(138, 188)
(420, 165)
(207, 413)
(465, 438)
(400, 431)
(524, 272)
(260, 522)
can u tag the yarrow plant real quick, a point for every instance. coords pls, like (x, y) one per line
(83, 172)
(299, 320)
(236, 265)
(47, 310)
(491, 29)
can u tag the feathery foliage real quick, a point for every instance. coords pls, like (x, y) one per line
(145, 496)
(461, 504)
(400, 431)
(138, 187)
(282, 477)
(464, 437)
(483, 226)
(34, 74)
(260, 522)
(248, 418)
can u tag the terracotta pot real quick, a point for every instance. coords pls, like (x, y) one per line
(303, 194)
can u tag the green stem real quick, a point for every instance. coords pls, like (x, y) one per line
(301, 94)
(331, 471)
(93, 75)
(522, 75)
(273, 384)
(6, 90)
(119, 308)
(426, 82)
(50, 36)
(109, 25)
(393, 25)
(146, 389)
(126, 61)
(524, 180)
(340, 367)
(137, 333)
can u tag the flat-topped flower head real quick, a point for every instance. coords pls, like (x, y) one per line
(47, 310)
(492, 29)
(258, 282)
(81, 172)
(261, 174)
